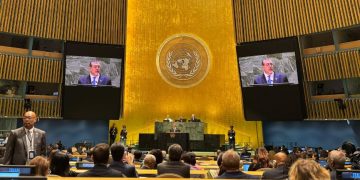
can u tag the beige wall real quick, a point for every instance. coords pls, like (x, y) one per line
(216, 100)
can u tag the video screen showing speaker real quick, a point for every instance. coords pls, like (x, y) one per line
(271, 81)
(93, 82)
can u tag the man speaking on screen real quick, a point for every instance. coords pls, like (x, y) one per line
(269, 76)
(95, 78)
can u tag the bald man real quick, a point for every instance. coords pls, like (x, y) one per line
(280, 171)
(26, 142)
(336, 160)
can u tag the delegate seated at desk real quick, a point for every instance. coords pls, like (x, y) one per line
(174, 128)
(194, 119)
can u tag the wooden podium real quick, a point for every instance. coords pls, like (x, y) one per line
(164, 140)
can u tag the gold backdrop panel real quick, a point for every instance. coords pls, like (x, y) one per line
(216, 100)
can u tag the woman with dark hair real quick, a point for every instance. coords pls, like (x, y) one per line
(190, 158)
(158, 155)
(59, 165)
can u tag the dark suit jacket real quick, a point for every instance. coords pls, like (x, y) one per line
(175, 167)
(103, 80)
(236, 175)
(278, 78)
(101, 170)
(281, 172)
(16, 149)
(127, 170)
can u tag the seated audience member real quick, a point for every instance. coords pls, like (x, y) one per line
(231, 164)
(355, 160)
(323, 154)
(292, 158)
(164, 155)
(149, 162)
(41, 166)
(88, 155)
(193, 118)
(158, 155)
(174, 165)
(336, 160)
(137, 157)
(74, 151)
(280, 171)
(117, 152)
(307, 169)
(261, 160)
(59, 165)
(349, 148)
(101, 157)
(2, 153)
(190, 159)
(218, 162)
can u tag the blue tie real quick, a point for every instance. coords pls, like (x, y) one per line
(93, 82)
(269, 80)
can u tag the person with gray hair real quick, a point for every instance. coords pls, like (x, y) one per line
(336, 160)
(149, 162)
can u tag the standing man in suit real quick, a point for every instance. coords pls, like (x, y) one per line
(113, 132)
(174, 128)
(26, 142)
(95, 78)
(269, 76)
(123, 135)
(231, 135)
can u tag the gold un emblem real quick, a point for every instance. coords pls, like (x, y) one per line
(183, 60)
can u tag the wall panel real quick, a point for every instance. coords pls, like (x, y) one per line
(75, 20)
(216, 100)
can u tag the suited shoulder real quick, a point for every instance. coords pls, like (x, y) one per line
(40, 131)
(83, 77)
(18, 130)
(279, 74)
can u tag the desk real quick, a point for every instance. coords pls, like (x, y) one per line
(196, 130)
(166, 139)
(152, 171)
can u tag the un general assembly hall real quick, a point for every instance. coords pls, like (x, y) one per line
(200, 89)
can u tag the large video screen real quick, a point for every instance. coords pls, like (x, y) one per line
(82, 70)
(271, 81)
(268, 69)
(93, 82)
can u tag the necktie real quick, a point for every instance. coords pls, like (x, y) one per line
(93, 82)
(30, 137)
(269, 80)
